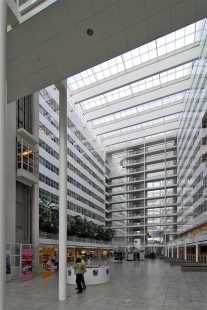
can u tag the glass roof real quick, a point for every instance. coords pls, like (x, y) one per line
(135, 88)
(160, 103)
(131, 142)
(138, 56)
(140, 126)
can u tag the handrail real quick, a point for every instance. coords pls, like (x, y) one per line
(45, 235)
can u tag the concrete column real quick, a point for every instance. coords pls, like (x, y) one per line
(35, 187)
(11, 151)
(168, 251)
(196, 251)
(185, 251)
(177, 250)
(172, 252)
(62, 87)
(3, 117)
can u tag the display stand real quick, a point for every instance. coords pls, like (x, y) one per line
(94, 275)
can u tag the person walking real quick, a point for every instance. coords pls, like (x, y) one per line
(83, 280)
(78, 270)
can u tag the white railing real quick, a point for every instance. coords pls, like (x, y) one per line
(51, 236)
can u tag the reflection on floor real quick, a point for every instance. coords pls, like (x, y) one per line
(150, 284)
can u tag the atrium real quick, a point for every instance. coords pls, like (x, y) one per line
(105, 123)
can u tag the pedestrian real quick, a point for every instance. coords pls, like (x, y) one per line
(78, 270)
(84, 271)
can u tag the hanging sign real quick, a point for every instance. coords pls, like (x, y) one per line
(46, 263)
(8, 265)
(27, 264)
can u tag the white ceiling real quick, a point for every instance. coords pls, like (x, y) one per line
(53, 44)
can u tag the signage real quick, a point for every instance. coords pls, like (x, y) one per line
(27, 264)
(46, 263)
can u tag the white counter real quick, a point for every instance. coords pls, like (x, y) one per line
(93, 276)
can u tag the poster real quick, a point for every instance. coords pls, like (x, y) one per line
(8, 265)
(70, 272)
(46, 263)
(27, 264)
(107, 270)
(95, 272)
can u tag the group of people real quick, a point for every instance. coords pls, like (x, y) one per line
(79, 270)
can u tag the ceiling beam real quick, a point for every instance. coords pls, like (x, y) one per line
(141, 118)
(148, 96)
(156, 66)
(139, 134)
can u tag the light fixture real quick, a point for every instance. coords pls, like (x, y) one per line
(90, 32)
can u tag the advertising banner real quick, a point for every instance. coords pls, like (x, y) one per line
(27, 264)
(157, 234)
(8, 265)
(46, 263)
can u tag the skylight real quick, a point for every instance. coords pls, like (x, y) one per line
(160, 103)
(135, 88)
(138, 56)
(140, 126)
(135, 141)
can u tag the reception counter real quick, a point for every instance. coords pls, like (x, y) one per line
(93, 276)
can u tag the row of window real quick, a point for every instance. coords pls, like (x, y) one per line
(52, 183)
(71, 206)
(192, 114)
(190, 160)
(194, 96)
(53, 104)
(46, 131)
(52, 152)
(54, 169)
(85, 201)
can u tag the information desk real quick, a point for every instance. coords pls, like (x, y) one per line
(93, 275)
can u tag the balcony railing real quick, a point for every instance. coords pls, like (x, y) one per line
(44, 235)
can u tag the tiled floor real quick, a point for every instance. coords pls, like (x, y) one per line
(151, 284)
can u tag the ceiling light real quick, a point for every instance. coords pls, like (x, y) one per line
(90, 32)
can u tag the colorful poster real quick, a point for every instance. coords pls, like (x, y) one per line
(27, 264)
(95, 272)
(8, 265)
(46, 263)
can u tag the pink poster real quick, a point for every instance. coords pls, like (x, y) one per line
(27, 264)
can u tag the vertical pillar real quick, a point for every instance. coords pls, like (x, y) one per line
(35, 187)
(3, 103)
(185, 251)
(168, 251)
(196, 251)
(172, 251)
(177, 250)
(62, 87)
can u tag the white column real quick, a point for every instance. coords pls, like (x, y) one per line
(185, 251)
(35, 187)
(172, 250)
(3, 104)
(168, 251)
(62, 87)
(177, 250)
(196, 251)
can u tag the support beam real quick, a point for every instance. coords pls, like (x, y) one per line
(3, 117)
(139, 134)
(148, 96)
(172, 251)
(196, 251)
(62, 87)
(177, 250)
(185, 251)
(141, 118)
(147, 70)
